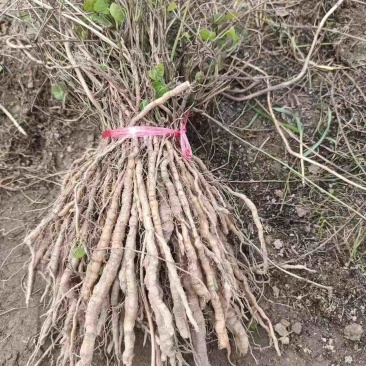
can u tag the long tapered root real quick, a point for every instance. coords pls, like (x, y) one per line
(145, 202)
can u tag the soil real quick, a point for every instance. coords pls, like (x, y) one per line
(31, 168)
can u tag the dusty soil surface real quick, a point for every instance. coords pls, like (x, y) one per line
(32, 166)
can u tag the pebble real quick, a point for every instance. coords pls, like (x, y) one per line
(278, 244)
(353, 332)
(285, 322)
(285, 340)
(348, 359)
(278, 193)
(281, 329)
(301, 212)
(296, 328)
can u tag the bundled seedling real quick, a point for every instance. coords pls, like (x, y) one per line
(141, 235)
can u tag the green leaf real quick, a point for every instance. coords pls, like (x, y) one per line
(231, 33)
(232, 15)
(173, 6)
(323, 136)
(253, 326)
(160, 88)
(89, 5)
(102, 7)
(157, 74)
(218, 18)
(152, 74)
(207, 35)
(285, 112)
(103, 67)
(1, 68)
(101, 19)
(198, 76)
(290, 127)
(118, 12)
(160, 70)
(79, 253)
(143, 104)
(25, 17)
(81, 32)
(57, 92)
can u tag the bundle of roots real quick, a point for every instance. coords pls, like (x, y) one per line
(140, 237)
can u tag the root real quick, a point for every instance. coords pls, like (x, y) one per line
(131, 300)
(148, 237)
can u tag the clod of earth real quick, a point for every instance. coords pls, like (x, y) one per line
(278, 244)
(281, 329)
(353, 332)
(285, 323)
(296, 328)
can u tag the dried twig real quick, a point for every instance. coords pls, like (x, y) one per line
(305, 66)
(16, 124)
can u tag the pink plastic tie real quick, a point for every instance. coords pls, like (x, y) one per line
(143, 131)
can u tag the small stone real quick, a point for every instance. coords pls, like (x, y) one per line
(301, 212)
(285, 323)
(296, 328)
(278, 193)
(313, 169)
(285, 340)
(348, 359)
(276, 291)
(353, 332)
(281, 329)
(69, 148)
(278, 244)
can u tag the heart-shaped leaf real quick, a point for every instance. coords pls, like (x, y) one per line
(207, 35)
(89, 5)
(218, 18)
(160, 88)
(157, 74)
(173, 6)
(79, 253)
(57, 92)
(231, 33)
(118, 12)
(102, 7)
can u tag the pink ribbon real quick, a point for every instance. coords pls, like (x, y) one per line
(143, 131)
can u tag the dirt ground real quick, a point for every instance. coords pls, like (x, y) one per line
(295, 219)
